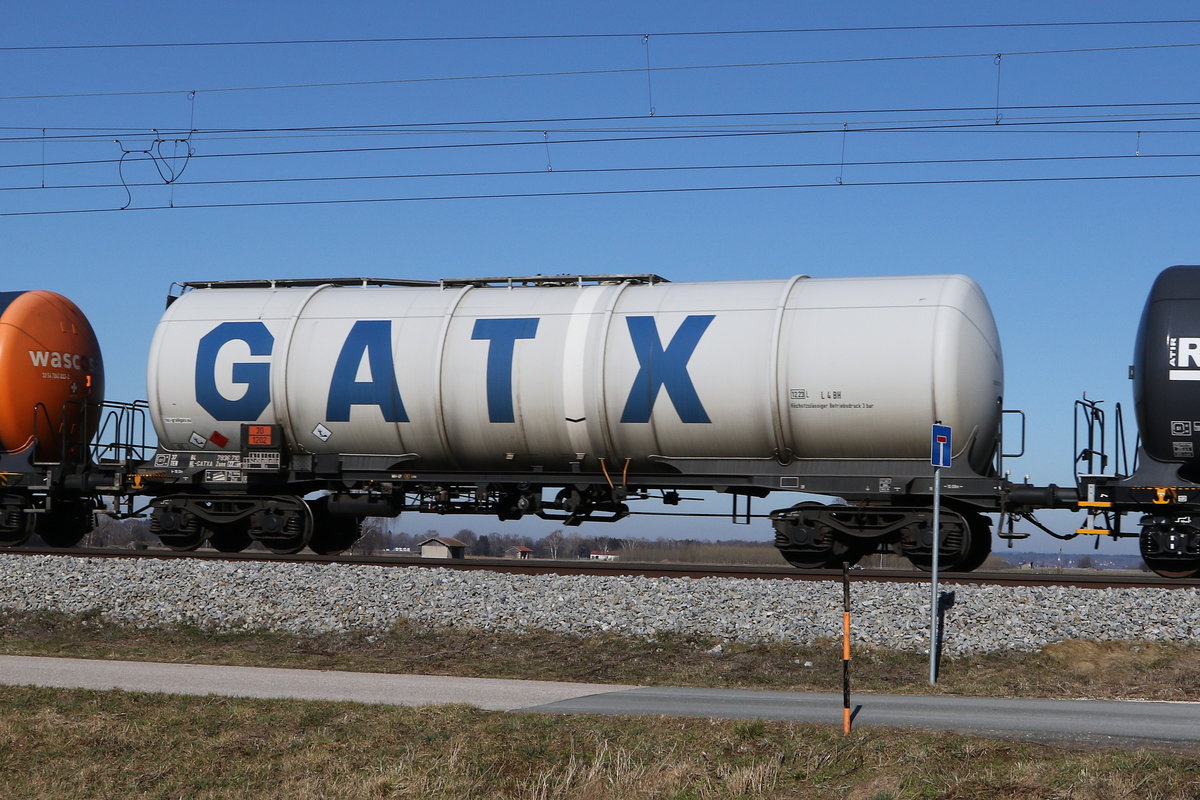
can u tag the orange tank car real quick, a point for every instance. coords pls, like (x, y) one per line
(51, 376)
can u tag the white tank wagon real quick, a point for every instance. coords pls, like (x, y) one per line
(569, 396)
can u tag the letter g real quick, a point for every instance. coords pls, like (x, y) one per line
(255, 376)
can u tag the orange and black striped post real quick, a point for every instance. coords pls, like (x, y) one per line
(845, 647)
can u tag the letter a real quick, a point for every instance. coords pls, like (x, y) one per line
(374, 339)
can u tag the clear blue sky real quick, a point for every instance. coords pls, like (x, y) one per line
(1066, 265)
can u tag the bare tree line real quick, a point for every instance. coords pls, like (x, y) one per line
(377, 537)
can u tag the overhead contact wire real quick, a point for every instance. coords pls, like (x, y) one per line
(559, 36)
(899, 128)
(617, 170)
(609, 71)
(605, 192)
(388, 127)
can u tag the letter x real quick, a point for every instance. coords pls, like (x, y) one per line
(665, 368)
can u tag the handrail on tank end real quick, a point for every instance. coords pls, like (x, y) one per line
(1091, 450)
(1001, 453)
(126, 425)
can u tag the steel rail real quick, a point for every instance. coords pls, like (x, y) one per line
(1093, 580)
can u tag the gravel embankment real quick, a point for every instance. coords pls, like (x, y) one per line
(311, 599)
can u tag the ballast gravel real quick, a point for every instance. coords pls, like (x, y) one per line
(313, 599)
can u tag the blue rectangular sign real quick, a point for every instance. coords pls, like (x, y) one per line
(939, 454)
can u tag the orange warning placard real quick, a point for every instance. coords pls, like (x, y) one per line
(259, 435)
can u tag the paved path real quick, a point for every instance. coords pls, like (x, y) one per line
(1087, 721)
(299, 684)
(1084, 721)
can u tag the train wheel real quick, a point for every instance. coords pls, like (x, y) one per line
(334, 534)
(281, 529)
(1171, 568)
(177, 529)
(65, 525)
(804, 545)
(966, 544)
(805, 560)
(233, 537)
(15, 525)
(832, 558)
(979, 547)
(185, 540)
(1181, 560)
(331, 533)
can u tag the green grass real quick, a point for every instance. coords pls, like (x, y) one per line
(88, 744)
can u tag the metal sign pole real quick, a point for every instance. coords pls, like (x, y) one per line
(941, 450)
(933, 601)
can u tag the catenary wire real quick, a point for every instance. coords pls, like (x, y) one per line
(568, 36)
(612, 170)
(985, 125)
(602, 193)
(541, 122)
(609, 71)
(297, 135)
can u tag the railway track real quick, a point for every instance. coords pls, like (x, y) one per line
(1098, 580)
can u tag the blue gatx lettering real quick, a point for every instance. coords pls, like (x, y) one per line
(256, 377)
(374, 339)
(661, 367)
(503, 334)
